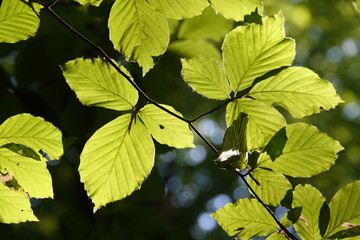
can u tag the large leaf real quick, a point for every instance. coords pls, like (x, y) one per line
(264, 120)
(252, 50)
(206, 76)
(179, 9)
(311, 201)
(270, 186)
(236, 9)
(138, 31)
(245, 219)
(14, 206)
(190, 48)
(344, 209)
(298, 90)
(97, 83)
(165, 128)
(116, 160)
(31, 175)
(32, 132)
(306, 152)
(18, 20)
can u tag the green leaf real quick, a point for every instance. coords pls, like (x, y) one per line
(22, 150)
(190, 48)
(273, 186)
(311, 201)
(307, 152)
(276, 236)
(252, 50)
(264, 120)
(116, 160)
(245, 219)
(33, 132)
(138, 31)
(95, 3)
(208, 25)
(165, 128)
(18, 20)
(97, 83)
(206, 76)
(14, 206)
(179, 9)
(344, 209)
(299, 90)
(236, 9)
(30, 174)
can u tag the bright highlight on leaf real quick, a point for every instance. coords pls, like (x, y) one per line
(116, 160)
(206, 76)
(179, 9)
(95, 3)
(97, 83)
(138, 31)
(307, 152)
(245, 219)
(252, 50)
(237, 9)
(299, 90)
(18, 20)
(165, 128)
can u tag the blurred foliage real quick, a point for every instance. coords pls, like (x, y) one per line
(185, 186)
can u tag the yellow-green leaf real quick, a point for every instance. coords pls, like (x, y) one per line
(190, 48)
(95, 3)
(179, 9)
(237, 9)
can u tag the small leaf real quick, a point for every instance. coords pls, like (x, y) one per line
(179, 9)
(19, 20)
(97, 83)
(14, 206)
(116, 160)
(138, 31)
(299, 90)
(344, 209)
(236, 9)
(273, 186)
(245, 219)
(22, 150)
(95, 3)
(252, 50)
(206, 76)
(311, 201)
(165, 128)
(307, 152)
(190, 48)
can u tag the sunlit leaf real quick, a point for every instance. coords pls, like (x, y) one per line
(236, 9)
(208, 25)
(14, 206)
(264, 120)
(33, 132)
(179, 9)
(190, 48)
(311, 201)
(276, 236)
(30, 174)
(307, 152)
(165, 128)
(97, 83)
(344, 209)
(95, 3)
(206, 76)
(270, 186)
(252, 50)
(18, 20)
(299, 90)
(245, 219)
(138, 31)
(116, 160)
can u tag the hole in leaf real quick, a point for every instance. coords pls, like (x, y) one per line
(161, 126)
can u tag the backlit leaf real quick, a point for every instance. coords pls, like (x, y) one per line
(14, 206)
(299, 90)
(179, 9)
(165, 128)
(18, 20)
(307, 152)
(245, 219)
(252, 50)
(97, 83)
(138, 31)
(95, 3)
(206, 76)
(236, 9)
(116, 160)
